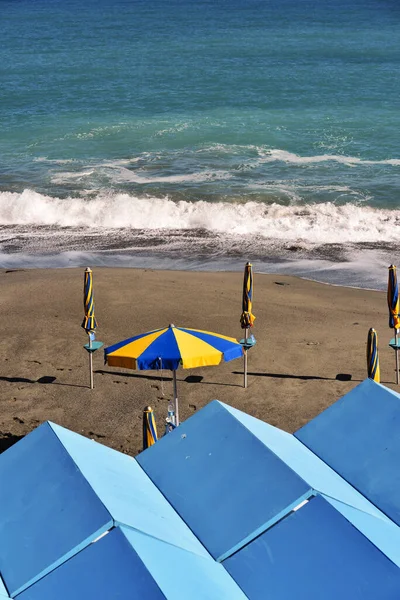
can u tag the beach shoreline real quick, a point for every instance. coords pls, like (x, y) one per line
(310, 351)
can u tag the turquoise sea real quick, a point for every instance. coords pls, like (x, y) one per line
(201, 134)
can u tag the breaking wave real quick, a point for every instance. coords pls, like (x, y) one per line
(323, 223)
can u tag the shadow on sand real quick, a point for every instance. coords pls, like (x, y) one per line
(46, 379)
(7, 440)
(188, 379)
(339, 376)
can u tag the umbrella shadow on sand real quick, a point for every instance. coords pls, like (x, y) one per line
(7, 440)
(159, 378)
(339, 376)
(46, 379)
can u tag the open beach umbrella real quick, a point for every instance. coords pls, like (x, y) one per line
(247, 318)
(373, 356)
(171, 347)
(89, 323)
(393, 304)
(149, 428)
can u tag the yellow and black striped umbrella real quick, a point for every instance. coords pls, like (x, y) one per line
(373, 356)
(149, 428)
(393, 299)
(89, 322)
(247, 318)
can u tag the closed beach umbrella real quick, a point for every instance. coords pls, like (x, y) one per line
(89, 323)
(393, 304)
(373, 356)
(171, 347)
(247, 318)
(149, 428)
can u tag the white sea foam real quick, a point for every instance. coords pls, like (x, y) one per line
(313, 224)
(289, 157)
(117, 173)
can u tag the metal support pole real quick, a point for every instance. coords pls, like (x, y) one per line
(176, 401)
(246, 333)
(397, 356)
(90, 362)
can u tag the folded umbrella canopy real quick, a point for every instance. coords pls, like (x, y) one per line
(171, 347)
(89, 322)
(373, 356)
(393, 304)
(149, 428)
(247, 318)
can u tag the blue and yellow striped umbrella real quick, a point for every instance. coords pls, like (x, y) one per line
(373, 356)
(247, 318)
(393, 299)
(89, 322)
(171, 347)
(149, 428)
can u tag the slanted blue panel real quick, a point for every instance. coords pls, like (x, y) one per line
(3, 591)
(221, 479)
(358, 437)
(314, 553)
(182, 575)
(126, 491)
(48, 511)
(106, 570)
(305, 463)
(384, 534)
(356, 508)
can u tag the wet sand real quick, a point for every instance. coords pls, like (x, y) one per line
(310, 351)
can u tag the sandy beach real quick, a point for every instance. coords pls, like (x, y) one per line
(311, 342)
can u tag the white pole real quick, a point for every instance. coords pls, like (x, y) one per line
(90, 362)
(246, 333)
(397, 356)
(176, 401)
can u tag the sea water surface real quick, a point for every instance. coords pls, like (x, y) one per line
(199, 134)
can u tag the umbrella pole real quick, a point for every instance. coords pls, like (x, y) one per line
(397, 356)
(90, 363)
(246, 334)
(176, 401)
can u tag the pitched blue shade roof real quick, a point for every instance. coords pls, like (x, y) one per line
(182, 575)
(126, 491)
(225, 507)
(358, 437)
(323, 479)
(48, 511)
(314, 553)
(383, 533)
(129, 564)
(222, 480)
(106, 570)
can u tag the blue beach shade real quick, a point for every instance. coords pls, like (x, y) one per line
(373, 356)
(89, 322)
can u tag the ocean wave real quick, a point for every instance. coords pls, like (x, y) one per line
(116, 173)
(312, 224)
(351, 161)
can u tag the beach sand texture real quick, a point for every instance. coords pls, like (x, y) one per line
(310, 339)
